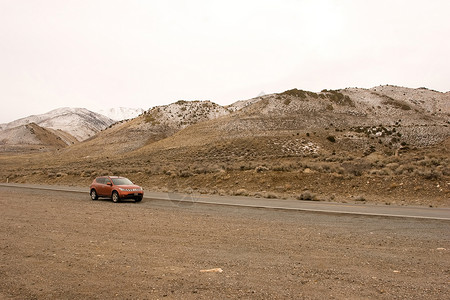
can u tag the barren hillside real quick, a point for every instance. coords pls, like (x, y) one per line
(31, 137)
(153, 125)
(386, 144)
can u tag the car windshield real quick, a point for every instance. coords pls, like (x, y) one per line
(121, 181)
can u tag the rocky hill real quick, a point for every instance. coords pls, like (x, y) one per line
(78, 122)
(386, 144)
(182, 114)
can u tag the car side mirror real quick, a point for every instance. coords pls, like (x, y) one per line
(109, 183)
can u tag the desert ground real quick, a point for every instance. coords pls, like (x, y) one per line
(60, 245)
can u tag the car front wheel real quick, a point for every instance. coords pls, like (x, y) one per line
(139, 199)
(94, 195)
(115, 197)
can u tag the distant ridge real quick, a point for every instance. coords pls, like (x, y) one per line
(79, 122)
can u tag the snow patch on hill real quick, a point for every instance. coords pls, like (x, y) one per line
(121, 113)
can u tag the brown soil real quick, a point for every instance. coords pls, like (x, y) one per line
(415, 177)
(57, 245)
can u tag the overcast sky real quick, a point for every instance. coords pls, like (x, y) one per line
(106, 53)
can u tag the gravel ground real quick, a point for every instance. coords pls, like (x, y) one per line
(62, 245)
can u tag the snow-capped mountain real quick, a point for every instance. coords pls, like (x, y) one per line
(121, 113)
(79, 122)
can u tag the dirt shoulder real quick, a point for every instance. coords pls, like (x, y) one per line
(63, 245)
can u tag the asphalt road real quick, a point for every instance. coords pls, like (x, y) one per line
(282, 204)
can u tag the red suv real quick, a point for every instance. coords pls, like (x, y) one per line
(116, 188)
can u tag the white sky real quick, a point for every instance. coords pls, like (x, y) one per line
(108, 53)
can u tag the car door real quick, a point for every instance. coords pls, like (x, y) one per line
(108, 187)
(101, 186)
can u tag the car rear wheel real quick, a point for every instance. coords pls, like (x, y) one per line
(94, 195)
(115, 197)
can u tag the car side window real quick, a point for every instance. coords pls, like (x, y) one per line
(107, 181)
(101, 180)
